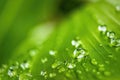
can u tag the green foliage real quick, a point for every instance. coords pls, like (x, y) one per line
(83, 44)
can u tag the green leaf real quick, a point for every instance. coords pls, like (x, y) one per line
(84, 45)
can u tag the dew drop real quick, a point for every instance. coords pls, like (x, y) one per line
(71, 65)
(78, 53)
(44, 60)
(80, 56)
(14, 67)
(56, 64)
(100, 45)
(84, 65)
(110, 56)
(52, 52)
(33, 52)
(94, 70)
(98, 73)
(62, 69)
(101, 67)
(24, 65)
(25, 76)
(79, 71)
(43, 73)
(86, 69)
(11, 73)
(67, 74)
(76, 43)
(118, 42)
(118, 8)
(51, 75)
(2, 70)
(110, 34)
(107, 73)
(102, 28)
(4, 66)
(113, 42)
(107, 62)
(94, 62)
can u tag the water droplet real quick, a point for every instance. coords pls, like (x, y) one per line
(29, 74)
(80, 56)
(56, 64)
(110, 56)
(4, 66)
(71, 65)
(44, 60)
(110, 34)
(33, 52)
(76, 43)
(68, 74)
(2, 70)
(94, 62)
(51, 75)
(86, 69)
(62, 69)
(94, 70)
(43, 73)
(84, 65)
(118, 8)
(113, 42)
(98, 73)
(52, 52)
(101, 67)
(24, 65)
(102, 28)
(107, 62)
(101, 45)
(79, 71)
(118, 42)
(14, 67)
(78, 53)
(25, 76)
(107, 73)
(11, 73)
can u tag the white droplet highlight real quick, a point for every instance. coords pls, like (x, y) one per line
(43, 73)
(44, 60)
(11, 73)
(71, 65)
(110, 34)
(24, 65)
(118, 8)
(102, 28)
(76, 43)
(52, 52)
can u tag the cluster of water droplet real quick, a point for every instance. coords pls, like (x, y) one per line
(100, 69)
(19, 70)
(113, 40)
(45, 73)
(79, 52)
(66, 66)
(79, 56)
(2, 71)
